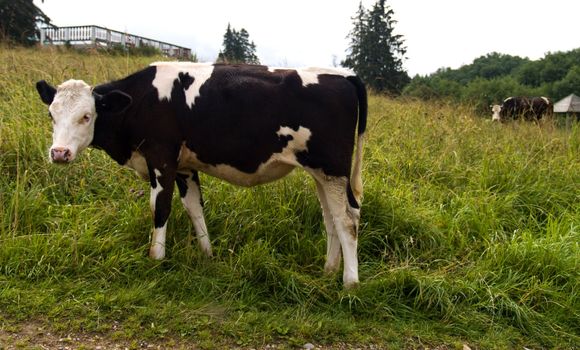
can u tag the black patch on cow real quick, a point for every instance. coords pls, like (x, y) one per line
(45, 91)
(351, 200)
(152, 177)
(113, 102)
(363, 103)
(180, 180)
(286, 138)
(243, 108)
(186, 80)
(119, 135)
(161, 212)
(332, 122)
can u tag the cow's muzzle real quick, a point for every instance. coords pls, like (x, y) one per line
(60, 155)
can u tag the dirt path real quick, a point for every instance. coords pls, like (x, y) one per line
(34, 336)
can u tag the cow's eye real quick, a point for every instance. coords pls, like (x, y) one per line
(86, 118)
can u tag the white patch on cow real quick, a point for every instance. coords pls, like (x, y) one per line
(507, 99)
(157, 250)
(276, 167)
(308, 78)
(299, 138)
(192, 203)
(344, 72)
(201, 75)
(167, 72)
(496, 109)
(73, 112)
(138, 163)
(546, 100)
(309, 75)
(155, 191)
(163, 82)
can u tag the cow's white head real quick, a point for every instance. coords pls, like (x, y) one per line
(496, 109)
(73, 108)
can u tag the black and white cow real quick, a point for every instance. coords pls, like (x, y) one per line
(529, 108)
(245, 124)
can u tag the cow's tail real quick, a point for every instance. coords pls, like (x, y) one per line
(356, 177)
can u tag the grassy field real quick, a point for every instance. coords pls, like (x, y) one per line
(470, 235)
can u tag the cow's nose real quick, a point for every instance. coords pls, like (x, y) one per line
(60, 154)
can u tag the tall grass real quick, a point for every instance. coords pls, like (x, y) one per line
(469, 234)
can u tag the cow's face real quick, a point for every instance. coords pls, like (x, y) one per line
(496, 109)
(73, 108)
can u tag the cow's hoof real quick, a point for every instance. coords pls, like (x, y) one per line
(157, 252)
(206, 249)
(351, 285)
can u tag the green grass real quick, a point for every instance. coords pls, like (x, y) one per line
(469, 235)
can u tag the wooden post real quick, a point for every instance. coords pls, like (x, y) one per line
(42, 36)
(93, 36)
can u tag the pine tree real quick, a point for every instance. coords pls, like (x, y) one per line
(18, 20)
(248, 48)
(376, 54)
(237, 47)
(357, 36)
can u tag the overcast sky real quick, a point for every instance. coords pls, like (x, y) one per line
(442, 33)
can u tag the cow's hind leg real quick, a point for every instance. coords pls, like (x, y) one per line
(160, 201)
(332, 242)
(190, 193)
(345, 217)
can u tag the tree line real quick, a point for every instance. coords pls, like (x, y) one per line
(491, 78)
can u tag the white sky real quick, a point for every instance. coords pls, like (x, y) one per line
(442, 33)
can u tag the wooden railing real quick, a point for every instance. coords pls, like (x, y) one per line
(100, 36)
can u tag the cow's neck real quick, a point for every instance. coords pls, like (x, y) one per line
(111, 133)
(109, 138)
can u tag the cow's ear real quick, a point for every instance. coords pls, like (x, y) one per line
(45, 91)
(114, 102)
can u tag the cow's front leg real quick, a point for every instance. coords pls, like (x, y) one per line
(162, 182)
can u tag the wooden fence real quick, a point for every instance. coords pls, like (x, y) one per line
(104, 37)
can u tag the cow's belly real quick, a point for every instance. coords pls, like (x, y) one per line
(138, 163)
(273, 169)
(278, 166)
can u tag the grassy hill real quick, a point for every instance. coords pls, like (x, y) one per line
(469, 235)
